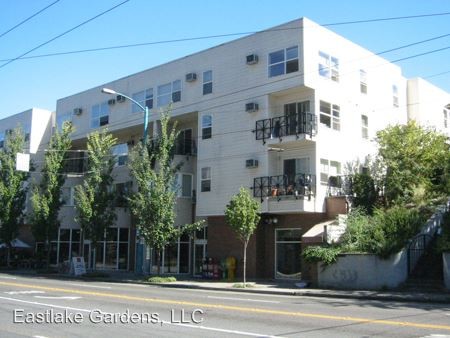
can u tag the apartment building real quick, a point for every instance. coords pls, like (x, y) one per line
(36, 125)
(283, 112)
(429, 105)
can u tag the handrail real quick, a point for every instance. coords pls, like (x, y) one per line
(285, 125)
(297, 186)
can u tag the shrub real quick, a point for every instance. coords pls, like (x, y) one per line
(162, 279)
(326, 255)
(443, 243)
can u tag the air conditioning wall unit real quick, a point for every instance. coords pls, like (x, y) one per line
(191, 77)
(120, 98)
(252, 59)
(251, 107)
(77, 111)
(251, 163)
(111, 102)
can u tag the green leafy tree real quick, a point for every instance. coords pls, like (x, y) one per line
(94, 198)
(12, 189)
(46, 198)
(414, 157)
(242, 214)
(153, 205)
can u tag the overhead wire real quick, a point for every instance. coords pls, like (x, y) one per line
(64, 33)
(24, 57)
(28, 19)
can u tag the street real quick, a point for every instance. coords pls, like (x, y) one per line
(45, 307)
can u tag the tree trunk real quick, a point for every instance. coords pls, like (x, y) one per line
(245, 262)
(158, 261)
(47, 254)
(8, 255)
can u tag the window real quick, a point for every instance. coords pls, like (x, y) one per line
(183, 185)
(2, 139)
(207, 82)
(330, 115)
(121, 153)
(206, 127)
(60, 119)
(100, 115)
(185, 143)
(327, 169)
(395, 95)
(145, 98)
(363, 81)
(206, 179)
(364, 127)
(67, 196)
(283, 61)
(328, 66)
(295, 166)
(123, 190)
(446, 114)
(169, 92)
(27, 131)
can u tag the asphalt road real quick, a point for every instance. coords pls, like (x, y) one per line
(43, 307)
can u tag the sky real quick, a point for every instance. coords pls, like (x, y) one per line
(41, 81)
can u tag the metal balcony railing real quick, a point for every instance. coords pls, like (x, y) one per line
(280, 126)
(76, 163)
(340, 185)
(298, 186)
(185, 147)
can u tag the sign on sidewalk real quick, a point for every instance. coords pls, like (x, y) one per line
(78, 266)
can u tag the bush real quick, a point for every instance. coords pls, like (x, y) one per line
(326, 255)
(162, 279)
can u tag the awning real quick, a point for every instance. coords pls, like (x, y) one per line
(16, 243)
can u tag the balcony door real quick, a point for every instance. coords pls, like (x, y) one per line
(295, 117)
(294, 166)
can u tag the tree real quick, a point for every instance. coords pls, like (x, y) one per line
(94, 198)
(46, 198)
(13, 189)
(153, 205)
(414, 158)
(242, 214)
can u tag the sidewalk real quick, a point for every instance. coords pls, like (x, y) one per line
(272, 287)
(276, 287)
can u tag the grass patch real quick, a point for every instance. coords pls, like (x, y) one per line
(242, 286)
(162, 279)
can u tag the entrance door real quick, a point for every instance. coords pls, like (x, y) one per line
(200, 250)
(287, 253)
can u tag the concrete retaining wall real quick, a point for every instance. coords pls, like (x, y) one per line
(365, 271)
(446, 261)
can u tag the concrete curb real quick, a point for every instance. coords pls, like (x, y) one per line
(417, 297)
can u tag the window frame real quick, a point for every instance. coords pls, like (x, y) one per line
(286, 62)
(118, 150)
(334, 115)
(328, 66)
(328, 164)
(205, 178)
(364, 126)
(206, 126)
(363, 81)
(101, 114)
(171, 94)
(145, 98)
(208, 82)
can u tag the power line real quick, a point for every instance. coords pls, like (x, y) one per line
(64, 33)
(438, 74)
(29, 18)
(225, 35)
(386, 19)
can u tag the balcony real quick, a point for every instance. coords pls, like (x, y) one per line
(340, 185)
(186, 147)
(76, 163)
(298, 186)
(286, 125)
